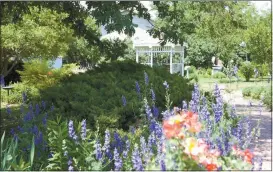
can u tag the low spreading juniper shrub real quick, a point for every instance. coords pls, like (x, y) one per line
(97, 94)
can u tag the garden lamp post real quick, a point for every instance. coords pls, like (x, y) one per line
(243, 44)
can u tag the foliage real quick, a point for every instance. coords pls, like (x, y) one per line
(263, 69)
(39, 34)
(10, 156)
(260, 93)
(219, 75)
(258, 39)
(200, 52)
(201, 144)
(247, 91)
(18, 90)
(40, 70)
(212, 29)
(247, 69)
(81, 51)
(97, 94)
(267, 98)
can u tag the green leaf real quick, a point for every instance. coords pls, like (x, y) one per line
(32, 152)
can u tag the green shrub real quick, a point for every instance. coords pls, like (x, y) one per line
(219, 75)
(15, 95)
(97, 94)
(262, 69)
(40, 75)
(193, 77)
(247, 91)
(209, 71)
(192, 69)
(247, 69)
(267, 98)
(256, 92)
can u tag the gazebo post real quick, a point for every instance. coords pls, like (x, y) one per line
(182, 54)
(137, 56)
(171, 60)
(151, 55)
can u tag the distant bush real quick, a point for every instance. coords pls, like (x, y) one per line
(256, 92)
(40, 75)
(247, 69)
(262, 69)
(219, 75)
(209, 71)
(16, 93)
(247, 91)
(97, 94)
(192, 69)
(267, 98)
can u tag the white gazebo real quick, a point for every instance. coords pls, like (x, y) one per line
(148, 54)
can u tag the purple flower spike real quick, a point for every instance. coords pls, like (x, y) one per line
(118, 160)
(83, 131)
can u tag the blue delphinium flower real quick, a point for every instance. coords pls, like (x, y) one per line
(71, 131)
(136, 159)
(106, 146)
(153, 94)
(69, 163)
(118, 160)
(146, 78)
(233, 112)
(127, 148)
(118, 142)
(148, 111)
(162, 165)
(218, 107)
(37, 109)
(166, 85)
(137, 88)
(44, 105)
(195, 98)
(35, 130)
(83, 130)
(65, 153)
(155, 111)
(98, 150)
(142, 146)
(219, 146)
(123, 101)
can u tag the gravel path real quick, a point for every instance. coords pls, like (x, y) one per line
(264, 146)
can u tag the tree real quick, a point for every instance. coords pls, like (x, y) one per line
(40, 33)
(116, 16)
(259, 39)
(221, 24)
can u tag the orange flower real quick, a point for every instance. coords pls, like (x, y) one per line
(248, 156)
(49, 73)
(172, 127)
(211, 167)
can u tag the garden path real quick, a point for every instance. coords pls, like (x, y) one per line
(264, 146)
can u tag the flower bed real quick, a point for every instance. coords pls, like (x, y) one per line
(191, 137)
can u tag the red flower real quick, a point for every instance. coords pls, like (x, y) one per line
(211, 167)
(248, 156)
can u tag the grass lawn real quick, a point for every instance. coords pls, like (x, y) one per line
(208, 84)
